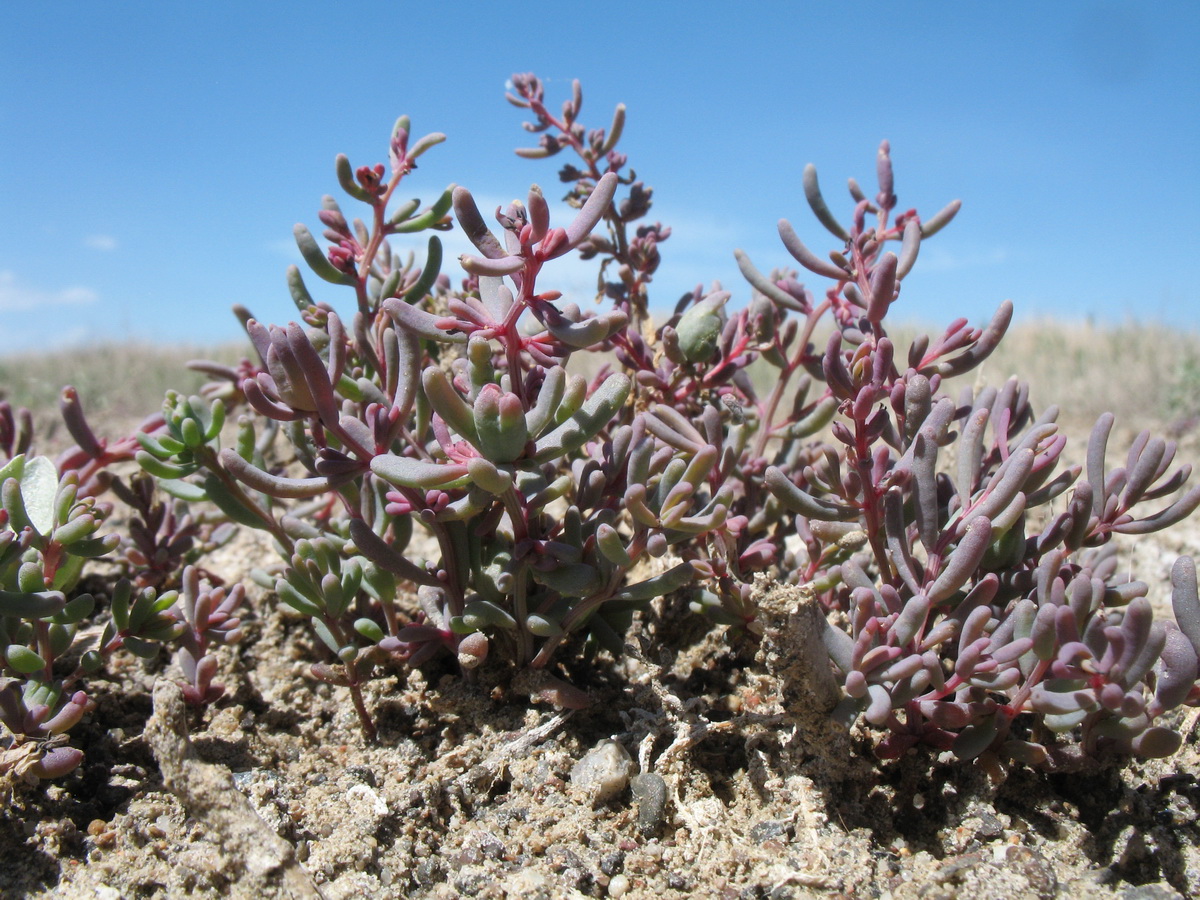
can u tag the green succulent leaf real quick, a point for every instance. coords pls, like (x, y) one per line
(230, 505)
(403, 471)
(13, 468)
(90, 548)
(326, 635)
(317, 260)
(39, 487)
(369, 629)
(296, 600)
(595, 413)
(141, 648)
(76, 610)
(23, 660)
(37, 605)
(577, 580)
(183, 490)
(160, 469)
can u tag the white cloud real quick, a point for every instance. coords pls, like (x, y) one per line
(105, 242)
(16, 297)
(939, 259)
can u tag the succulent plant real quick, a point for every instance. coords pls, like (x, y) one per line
(441, 481)
(973, 623)
(453, 413)
(210, 616)
(48, 532)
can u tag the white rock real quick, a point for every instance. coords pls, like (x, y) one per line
(364, 797)
(602, 773)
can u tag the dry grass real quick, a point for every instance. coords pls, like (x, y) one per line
(1148, 375)
(119, 384)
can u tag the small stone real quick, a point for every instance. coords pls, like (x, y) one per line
(1037, 871)
(488, 845)
(429, 871)
(1158, 891)
(471, 883)
(954, 870)
(650, 791)
(766, 831)
(611, 863)
(103, 835)
(618, 886)
(363, 774)
(602, 773)
(989, 828)
(365, 799)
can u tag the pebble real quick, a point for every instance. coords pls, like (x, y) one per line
(363, 774)
(610, 864)
(765, 831)
(1037, 870)
(103, 835)
(989, 828)
(362, 797)
(1157, 891)
(650, 791)
(603, 772)
(618, 886)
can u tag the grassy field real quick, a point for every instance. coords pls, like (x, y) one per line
(1148, 375)
(119, 384)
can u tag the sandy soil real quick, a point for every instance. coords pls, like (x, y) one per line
(722, 786)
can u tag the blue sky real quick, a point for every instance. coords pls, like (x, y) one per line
(154, 156)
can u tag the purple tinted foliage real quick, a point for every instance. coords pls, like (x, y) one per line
(16, 430)
(211, 617)
(974, 623)
(552, 505)
(162, 536)
(445, 486)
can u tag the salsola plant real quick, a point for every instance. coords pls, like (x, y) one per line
(441, 481)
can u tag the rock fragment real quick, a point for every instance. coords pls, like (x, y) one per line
(602, 773)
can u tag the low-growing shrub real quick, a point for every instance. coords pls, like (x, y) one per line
(437, 481)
